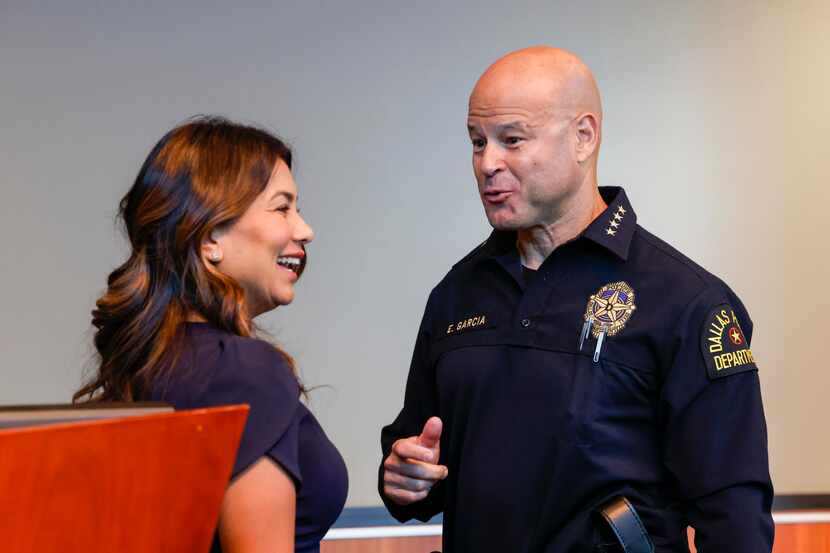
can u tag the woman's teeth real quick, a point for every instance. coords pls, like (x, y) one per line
(292, 263)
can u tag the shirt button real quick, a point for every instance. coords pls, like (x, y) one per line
(525, 323)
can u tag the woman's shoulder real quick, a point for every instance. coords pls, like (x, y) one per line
(221, 367)
(227, 369)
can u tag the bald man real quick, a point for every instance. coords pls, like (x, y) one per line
(574, 359)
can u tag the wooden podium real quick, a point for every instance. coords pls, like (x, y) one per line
(151, 483)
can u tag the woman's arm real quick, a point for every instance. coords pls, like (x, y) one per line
(258, 511)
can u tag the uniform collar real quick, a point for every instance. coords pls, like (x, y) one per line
(613, 229)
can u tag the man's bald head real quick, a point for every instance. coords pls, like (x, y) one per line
(534, 122)
(539, 77)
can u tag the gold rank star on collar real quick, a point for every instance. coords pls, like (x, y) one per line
(615, 221)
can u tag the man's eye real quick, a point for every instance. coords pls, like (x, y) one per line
(478, 143)
(512, 140)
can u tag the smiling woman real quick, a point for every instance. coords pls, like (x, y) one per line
(263, 250)
(216, 239)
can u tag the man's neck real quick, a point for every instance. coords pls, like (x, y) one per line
(535, 244)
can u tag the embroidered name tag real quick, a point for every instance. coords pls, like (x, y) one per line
(724, 345)
(470, 323)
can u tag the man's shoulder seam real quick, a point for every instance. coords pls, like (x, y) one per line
(705, 277)
(470, 255)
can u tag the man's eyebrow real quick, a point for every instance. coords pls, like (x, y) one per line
(513, 126)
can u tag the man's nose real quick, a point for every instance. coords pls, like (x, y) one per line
(491, 160)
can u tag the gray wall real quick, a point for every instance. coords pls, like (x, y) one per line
(717, 118)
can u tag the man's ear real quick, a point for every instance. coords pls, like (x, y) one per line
(587, 136)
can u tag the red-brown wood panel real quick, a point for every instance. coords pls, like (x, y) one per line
(802, 538)
(150, 483)
(383, 545)
(789, 538)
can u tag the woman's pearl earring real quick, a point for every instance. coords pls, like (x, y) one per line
(215, 256)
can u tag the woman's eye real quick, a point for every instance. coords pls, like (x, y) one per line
(284, 209)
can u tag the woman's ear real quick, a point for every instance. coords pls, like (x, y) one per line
(211, 249)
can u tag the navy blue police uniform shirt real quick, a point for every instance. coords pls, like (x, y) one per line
(220, 368)
(537, 433)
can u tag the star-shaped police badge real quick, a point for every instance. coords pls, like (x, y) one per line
(607, 313)
(610, 308)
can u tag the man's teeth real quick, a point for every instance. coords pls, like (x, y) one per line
(292, 263)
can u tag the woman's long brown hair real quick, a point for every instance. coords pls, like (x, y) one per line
(200, 176)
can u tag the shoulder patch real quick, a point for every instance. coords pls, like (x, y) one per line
(723, 345)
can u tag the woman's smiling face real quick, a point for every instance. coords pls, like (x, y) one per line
(263, 249)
